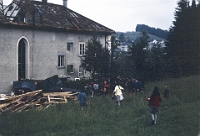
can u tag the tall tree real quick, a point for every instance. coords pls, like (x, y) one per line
(96, 58)
(183, 40)
(139, 54)
(113, 70)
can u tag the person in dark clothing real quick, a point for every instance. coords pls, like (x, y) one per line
(83, 99)
(166, 92)
(130, 86)
(143, 82)
(154, 103)
(106, 87)
(137, 86)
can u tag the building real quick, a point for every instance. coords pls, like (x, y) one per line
(155, 43)
(125, 45)
(41, 39)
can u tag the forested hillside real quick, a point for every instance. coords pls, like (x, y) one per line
(135, 35)
(151, 30)
(154, 33)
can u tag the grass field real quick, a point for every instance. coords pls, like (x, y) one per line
(178, 116)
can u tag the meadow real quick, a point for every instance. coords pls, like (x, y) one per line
(178, 116)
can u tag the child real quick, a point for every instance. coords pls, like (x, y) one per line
(154, 103)
(118, 93)
(166, 92)
(83, 100)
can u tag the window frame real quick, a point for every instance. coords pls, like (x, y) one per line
(81, 73)
(61, 60)
(81, 49)
(69, 47)
(71, 69)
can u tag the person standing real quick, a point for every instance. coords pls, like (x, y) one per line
(137, 86)
(83, 99)
(166, 92)
(154, 103)
(118, 93)
(106, 87)
(130, 86)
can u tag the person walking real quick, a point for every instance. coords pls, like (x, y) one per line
(83, 99)
(154, 103)
(118, 93)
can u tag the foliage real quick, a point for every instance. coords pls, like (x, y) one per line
(141, 61)
(183, 44)
(139, 54)
(113, 64)
(154, 67)
(178, 115)
(96, 58)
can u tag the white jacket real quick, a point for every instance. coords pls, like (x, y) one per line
(118, 90)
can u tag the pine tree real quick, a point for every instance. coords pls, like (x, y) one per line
(183, 40)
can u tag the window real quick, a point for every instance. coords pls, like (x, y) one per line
(82, 48)
(81, 72)
(61, 60)
(70, 46)
(70, 69)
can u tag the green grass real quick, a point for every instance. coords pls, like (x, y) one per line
(178, 116)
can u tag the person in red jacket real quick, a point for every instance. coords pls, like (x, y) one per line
(154, 103)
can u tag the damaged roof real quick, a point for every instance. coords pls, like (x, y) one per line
(27, 13)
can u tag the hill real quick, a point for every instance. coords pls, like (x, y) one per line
(134, 35)
(154, 33)
(151, 30)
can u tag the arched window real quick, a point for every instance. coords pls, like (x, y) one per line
(22, 59)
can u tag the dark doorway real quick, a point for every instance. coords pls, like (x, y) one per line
(21, 60)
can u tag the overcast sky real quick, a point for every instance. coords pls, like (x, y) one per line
(124, 15)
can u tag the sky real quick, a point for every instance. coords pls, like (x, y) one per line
(124, 15)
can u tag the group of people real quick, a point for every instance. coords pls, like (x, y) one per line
(133, 87)
(104, 86)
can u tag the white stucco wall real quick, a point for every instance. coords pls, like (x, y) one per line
(42, 48)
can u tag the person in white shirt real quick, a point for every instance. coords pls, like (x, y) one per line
(118, 93)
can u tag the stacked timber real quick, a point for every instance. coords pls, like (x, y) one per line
(33, 100)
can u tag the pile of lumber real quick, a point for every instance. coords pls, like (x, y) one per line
(33, 100)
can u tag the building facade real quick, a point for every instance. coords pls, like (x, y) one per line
(36, 47)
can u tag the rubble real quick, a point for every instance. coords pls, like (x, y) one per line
(33, 100)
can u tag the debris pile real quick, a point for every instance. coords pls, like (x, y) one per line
(33, 100)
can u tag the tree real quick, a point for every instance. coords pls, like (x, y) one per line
(113, 70)
(139, 54)
(183, 44)
(96, 58)
(121, 38)
(154, 63)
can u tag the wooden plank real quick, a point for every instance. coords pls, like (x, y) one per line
(21, 107)
(56, 99)
(49, 100)
(56, 94)
(12, 106)
(19, 96)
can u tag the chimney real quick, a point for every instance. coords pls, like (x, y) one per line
(65, 3)
(44, 2)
